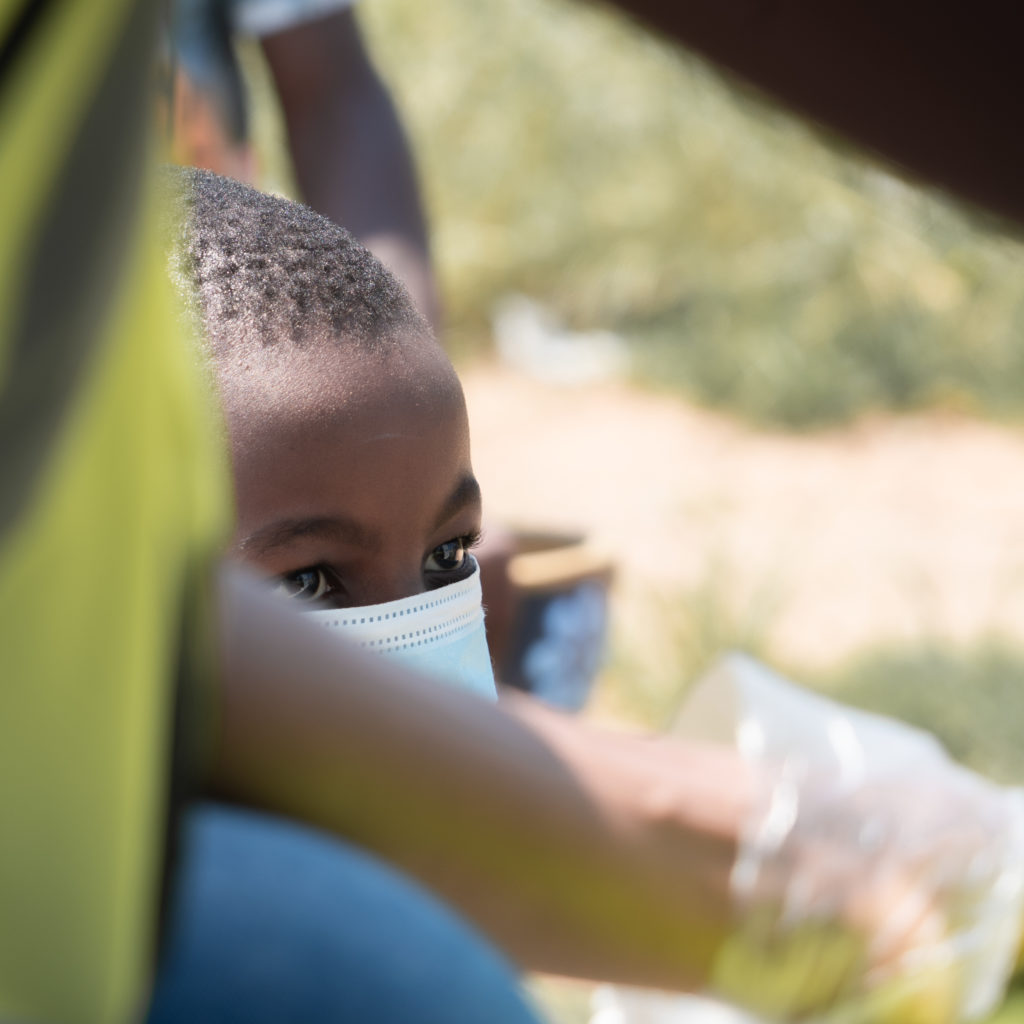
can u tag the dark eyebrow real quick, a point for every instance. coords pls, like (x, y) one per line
(284, 531)
(467, 492)
(340, 528)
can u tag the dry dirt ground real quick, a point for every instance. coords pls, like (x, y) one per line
(896, 529)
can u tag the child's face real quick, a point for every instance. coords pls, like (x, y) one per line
(353, 477)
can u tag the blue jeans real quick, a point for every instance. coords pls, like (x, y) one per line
(275, 923)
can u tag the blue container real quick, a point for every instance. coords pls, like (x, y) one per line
(547, 614)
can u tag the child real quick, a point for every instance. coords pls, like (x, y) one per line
(314, 354)
(350, 448)
(347, 428)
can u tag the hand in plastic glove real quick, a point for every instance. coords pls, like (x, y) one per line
(877, 881)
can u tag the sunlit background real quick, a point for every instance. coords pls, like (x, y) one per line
(781, 387)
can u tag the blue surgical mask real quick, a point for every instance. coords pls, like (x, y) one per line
(440, 633)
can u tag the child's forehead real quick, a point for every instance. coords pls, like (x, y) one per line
(327, 377)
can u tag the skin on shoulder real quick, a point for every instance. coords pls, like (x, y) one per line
(354, 483)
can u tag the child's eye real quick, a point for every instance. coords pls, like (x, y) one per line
(304, 585)
(451, 559)
(447, 556)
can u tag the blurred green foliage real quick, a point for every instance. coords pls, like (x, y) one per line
(970, 697)
(644, 682)
(568, 154)
(1012, 1010)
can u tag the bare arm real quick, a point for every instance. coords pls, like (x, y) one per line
(610, 856)
(579, 852)
(351, 156)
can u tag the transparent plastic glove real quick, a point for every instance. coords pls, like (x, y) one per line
(877, 881)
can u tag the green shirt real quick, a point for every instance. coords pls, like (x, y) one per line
(112, 502)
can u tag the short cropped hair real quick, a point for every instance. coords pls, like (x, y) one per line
(258, 270)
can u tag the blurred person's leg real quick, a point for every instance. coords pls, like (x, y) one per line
(275, 923)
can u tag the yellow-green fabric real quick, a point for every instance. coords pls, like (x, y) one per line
(107, 530)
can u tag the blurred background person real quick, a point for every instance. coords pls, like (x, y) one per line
(351, 159)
